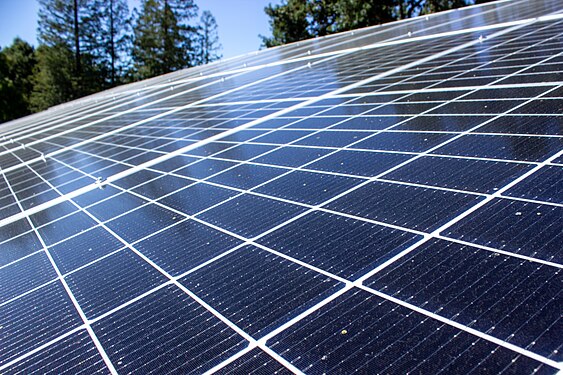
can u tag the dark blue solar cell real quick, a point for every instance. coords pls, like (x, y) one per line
(479, 176)
(166, 332)
(205, 168)
(442, 123)
(525, 148)
(243, 135)
(67, 188)
(480, 289)
(402, 108)
(244, 152)
(477, 106)
(543, 105)
(361, 333)
(520, 227)
(254, 362)
(14, 229)
(112, 281)
(370, 122)
(8, 207)
(47, 310)
(247, 176)
(96, 195)
(173, 146)
(197, 197)
(359, 163)
(209, 149)
(52, 213)
(333, 138)
(547, 125)
(162, 186)
(143, 158)
(282, 136)
(404, 141)
(257, 290)
(185, 246)
(24, 275)
(250, 215)
(292, 156)
(143, 222)
(308, 187)
(18, 247)
(38, 199)
(75, 354)
(136, 178)
(66, 227)
(345, 247)
(413, 207)
(545, 185)
(174, 163)
(31, 191)
(117, 205)
(316, 122)
(348, 110)
(84, 248)
(275, 123)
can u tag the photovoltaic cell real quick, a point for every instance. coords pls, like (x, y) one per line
(386, 200)
(75, 354)
(361, 332)
(257, 290)
(520, 227)
(407, 206)
(172, 323)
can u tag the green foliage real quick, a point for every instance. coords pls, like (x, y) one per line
(116, 37)
(16, 71)
(70, 64)
(207, 43)
(54, 81)
(163, 38)
(432, 6)
(295, 20)
(288, 22)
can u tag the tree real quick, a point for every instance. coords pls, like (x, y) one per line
(353, 14)
(68, 33)
(116, 38)
(288, 22)
(6, 88)
(163, 38)
(432, 6)
(295, 20)
(53, 80)
(208, 47)
(17, 63)
(83, 48)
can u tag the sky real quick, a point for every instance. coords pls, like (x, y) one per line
(239, 21)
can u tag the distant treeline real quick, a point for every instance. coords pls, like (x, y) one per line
(295, 20)
(86, 46)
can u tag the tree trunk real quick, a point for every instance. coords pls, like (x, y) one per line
(112, 42)
(77, 39)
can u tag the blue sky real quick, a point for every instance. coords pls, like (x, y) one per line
(240, 22)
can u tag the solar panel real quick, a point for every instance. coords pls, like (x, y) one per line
(385, 200)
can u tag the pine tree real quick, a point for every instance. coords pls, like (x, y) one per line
(116, 38)
(163, 37)
(68, 63)
(17, 63)
(208, 46)
(288, 22)
(53, 80)
(295, 20)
